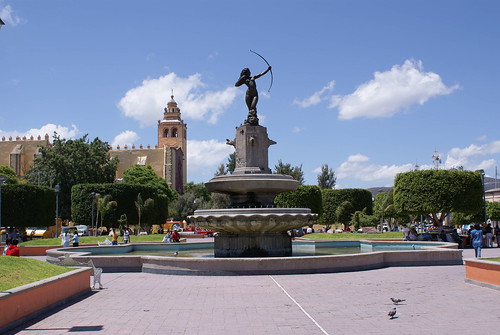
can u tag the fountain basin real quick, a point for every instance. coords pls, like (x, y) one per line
(409, 254)
(253, 232)
(253, 220)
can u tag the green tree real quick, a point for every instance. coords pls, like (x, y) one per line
(10, 174)
(326, 178)
(344, 212)
(71, 162)
(198, 190)
(383, 208)
(361, 219)
(185, 205)
(104, 205)
(221, 170)
(145, 175)
(231, 163)
(287, 169)
(437, 193)
(459, 218)
(143, 206)
(332, 199)
(493, 211)
(306, 196)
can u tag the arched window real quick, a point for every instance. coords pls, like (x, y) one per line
(174, 132)
(165, 132)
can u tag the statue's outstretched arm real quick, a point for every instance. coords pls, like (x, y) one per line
(263, 73)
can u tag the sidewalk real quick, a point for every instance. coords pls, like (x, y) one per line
(438, 301)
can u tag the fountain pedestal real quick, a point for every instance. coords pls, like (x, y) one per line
(252, 227)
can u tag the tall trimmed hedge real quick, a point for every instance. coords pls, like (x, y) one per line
(428, 192)
(28, 206)
(332, 199)
(306, 196)
(125, 195)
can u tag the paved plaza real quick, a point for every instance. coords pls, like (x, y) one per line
(438, 301)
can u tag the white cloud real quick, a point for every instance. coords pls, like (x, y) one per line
(49, 129)
(316, 97)
(127, 137)
(359, 167)
(391, 91)
(143, 103)
(469, 157)
(482, 138)
(204, 156)
(7, 15)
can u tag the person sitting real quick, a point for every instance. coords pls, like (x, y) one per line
(456, 238)
(13, 250)
(167, 237)
(175, 237)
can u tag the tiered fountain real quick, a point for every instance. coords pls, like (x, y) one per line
(252, 226)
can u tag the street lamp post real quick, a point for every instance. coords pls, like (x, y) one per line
(484, 195)
(2, 181)
(93, 201)
(57, 188)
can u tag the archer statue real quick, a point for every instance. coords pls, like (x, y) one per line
(252, 95)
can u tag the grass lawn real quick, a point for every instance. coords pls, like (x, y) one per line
(495, 259)
(94, 240)
(18, 271)
(353, 236)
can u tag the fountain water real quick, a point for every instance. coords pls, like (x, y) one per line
(252, 227)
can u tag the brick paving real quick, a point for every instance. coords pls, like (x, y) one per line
(438, 301)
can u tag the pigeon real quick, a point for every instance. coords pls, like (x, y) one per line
(397, 301)
(392, 312)
(176, 253)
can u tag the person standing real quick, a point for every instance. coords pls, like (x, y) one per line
(488, 231)
(497, 235)
(126, 236)
(477, 240)
(65, 239)
(115, 237)
(76, 239)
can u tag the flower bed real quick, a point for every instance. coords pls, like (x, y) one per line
(28, 301)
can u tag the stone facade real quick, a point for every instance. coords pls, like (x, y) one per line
(167, 158)
(19, 153)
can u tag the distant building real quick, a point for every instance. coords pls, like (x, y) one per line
(19, 153)
(167, 157)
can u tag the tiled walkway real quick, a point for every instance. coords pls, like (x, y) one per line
(438, 301)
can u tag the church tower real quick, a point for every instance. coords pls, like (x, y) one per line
(172, 137)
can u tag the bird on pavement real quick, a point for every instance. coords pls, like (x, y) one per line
(397, 301)
(176, 253)
(392, 312)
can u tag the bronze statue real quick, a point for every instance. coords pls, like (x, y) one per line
(252, 95)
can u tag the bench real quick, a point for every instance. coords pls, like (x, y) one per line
(95, 271)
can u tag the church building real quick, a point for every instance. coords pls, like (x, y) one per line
(167, 158)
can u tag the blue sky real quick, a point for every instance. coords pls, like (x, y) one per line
(370, 88)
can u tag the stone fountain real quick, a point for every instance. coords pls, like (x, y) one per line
(252, 226)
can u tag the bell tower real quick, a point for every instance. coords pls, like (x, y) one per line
(172, 137)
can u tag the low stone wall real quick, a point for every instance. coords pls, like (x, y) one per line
(40, 250)
(483, 272)
(420, 254)
(25, 302)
